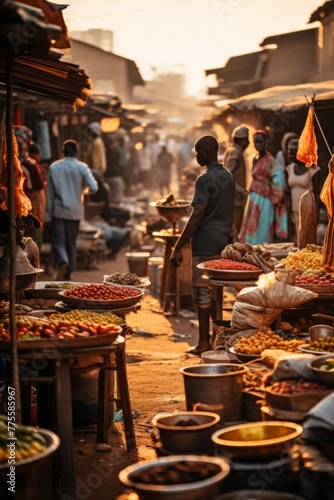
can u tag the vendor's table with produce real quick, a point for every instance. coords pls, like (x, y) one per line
(89, 327)
(55, 369)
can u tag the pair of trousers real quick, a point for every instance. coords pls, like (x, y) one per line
(63, 239)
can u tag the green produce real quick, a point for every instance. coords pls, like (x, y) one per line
(18, 442)
(328, 366)
(89, 317)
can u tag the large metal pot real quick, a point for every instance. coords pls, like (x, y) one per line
(218, 387)
(177, 436)
(256, 440)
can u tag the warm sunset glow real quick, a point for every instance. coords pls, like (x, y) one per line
(189, 35)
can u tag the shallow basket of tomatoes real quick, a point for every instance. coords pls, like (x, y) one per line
(230, 270)
(100, 296)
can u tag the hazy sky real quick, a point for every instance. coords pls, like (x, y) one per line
(189, 35)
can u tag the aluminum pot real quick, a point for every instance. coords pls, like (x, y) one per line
(202, 489)
(256, 440)
(216, 387)
(177, 436)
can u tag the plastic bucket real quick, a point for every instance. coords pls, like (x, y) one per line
(138, 262)
(212, 387)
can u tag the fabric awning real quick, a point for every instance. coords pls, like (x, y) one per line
(285, 98)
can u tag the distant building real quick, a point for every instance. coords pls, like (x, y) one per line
(325, 42)
(110, 73)
(286, 59)
(294, 60)
(104, 39)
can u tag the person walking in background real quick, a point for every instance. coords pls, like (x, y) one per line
(265, 213)
(68, 179)
(209, 230)
(234, 161)
(145, 160)
(300, 179)
(164, 163)
(113, 176)
(93, 152)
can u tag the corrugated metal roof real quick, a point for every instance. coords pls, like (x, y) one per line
(285, 98)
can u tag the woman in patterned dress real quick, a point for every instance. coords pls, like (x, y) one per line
(265, 218)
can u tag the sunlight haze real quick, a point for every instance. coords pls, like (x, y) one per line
(188, 35)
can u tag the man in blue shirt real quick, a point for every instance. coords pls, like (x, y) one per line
(209, 229)
(68, 180)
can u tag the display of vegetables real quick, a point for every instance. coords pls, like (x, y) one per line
(314, 279)
(245, 252)
(87, 316)
(27, 443)
(130, 279)
(29, 328)
(102, 292)
(328, 365)
(230, 265)
(326, 344)
(307, 261)
(296, 386)
(260, 341)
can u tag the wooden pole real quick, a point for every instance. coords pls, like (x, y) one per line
(12, 237)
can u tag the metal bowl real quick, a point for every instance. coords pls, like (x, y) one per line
(173, 213)
(31, 464)
(178, 437)
(258, 495)
(22, 281)
(201, 489)
(317, 332)
(323, 376)
(256, 440)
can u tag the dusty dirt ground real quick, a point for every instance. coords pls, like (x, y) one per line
(155, 384)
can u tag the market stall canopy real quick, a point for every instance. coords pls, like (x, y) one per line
(284, 98)
(36, 66)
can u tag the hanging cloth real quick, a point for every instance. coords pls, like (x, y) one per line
(307, 144)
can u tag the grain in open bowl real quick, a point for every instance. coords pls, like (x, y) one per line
(256, 440)
(318, 367)
(194, 476)
(185, 432)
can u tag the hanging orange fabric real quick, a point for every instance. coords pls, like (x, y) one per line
(307, 145)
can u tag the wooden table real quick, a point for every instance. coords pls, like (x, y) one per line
(170, 285)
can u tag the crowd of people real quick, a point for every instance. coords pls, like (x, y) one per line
(224, 210)
(268, 210)
(102, 168)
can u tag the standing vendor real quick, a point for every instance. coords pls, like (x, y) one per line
(209, 229)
